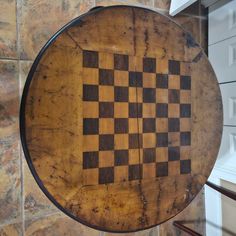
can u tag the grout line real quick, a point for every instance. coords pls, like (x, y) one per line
(153, 3)
(233, 126)
(18, 7)
(101, 233)
(18, 12)
(158, 230)
(18, 4)
(40, 217)
(48, 214)
(14, 59)
(21, 161)
(10, 222)
(22, 192)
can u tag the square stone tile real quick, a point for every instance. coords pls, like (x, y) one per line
(39, 20)
(10, 185)
(11, 230)
(8, 48)
(57, 225)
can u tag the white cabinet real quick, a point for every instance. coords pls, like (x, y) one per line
(228, 92)
(226, 162)
(228, 145)
(222, 56)
(222, 53)
(222, 21)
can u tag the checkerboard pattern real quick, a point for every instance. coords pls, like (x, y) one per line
(136, 118)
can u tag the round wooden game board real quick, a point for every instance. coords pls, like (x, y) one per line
(121, 119)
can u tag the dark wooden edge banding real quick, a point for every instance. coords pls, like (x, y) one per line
(230, 194)
(179, 225)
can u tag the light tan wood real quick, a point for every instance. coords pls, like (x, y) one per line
(57, 104)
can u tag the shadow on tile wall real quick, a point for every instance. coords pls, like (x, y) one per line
(25, 26)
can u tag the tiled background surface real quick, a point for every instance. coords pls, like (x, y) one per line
(25, 26)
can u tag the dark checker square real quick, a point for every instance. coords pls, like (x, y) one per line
(185, 166)
(134, 141)
(149, 95)
(173, 96)
(174, 67)
(149, 125)
(106, 142)
(135, 79)
(121, 125)
(121, 62)
(90, 160)
(106, 77)
(135, 172)
(162, 139)
(90, 92)
(173, 124)
(149, 155)
(162, 169)
(161, 110)
(121, 157)
(90, 126)
(185, 138)
(173, 153)
(106, 109)
(106, 175)
(121, 94)
(90, 59)
(185, 82)
(149, 65)
(162, 81)
(135, 110)
(185, 110)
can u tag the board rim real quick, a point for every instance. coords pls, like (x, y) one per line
(22, 126)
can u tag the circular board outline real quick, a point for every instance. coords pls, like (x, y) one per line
(72, 23)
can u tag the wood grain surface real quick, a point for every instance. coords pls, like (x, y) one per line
(121, 119)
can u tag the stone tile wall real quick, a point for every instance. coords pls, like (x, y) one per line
(25, 26)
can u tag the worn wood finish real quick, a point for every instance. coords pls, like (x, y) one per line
(122, 119)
